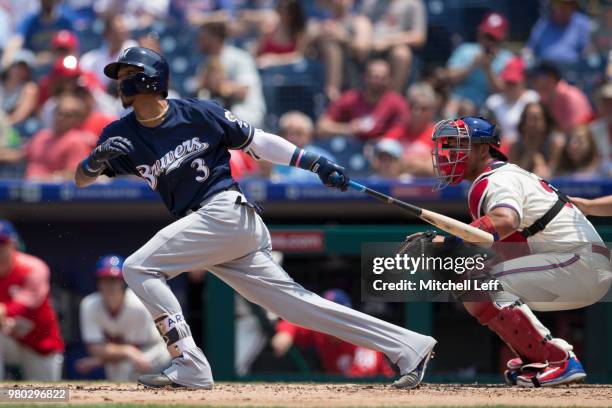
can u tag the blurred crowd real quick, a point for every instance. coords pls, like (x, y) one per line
(361, 81)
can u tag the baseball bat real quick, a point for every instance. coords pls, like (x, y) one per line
(460, 229)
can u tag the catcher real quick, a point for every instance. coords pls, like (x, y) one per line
(516, 206)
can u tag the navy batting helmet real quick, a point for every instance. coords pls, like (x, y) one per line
(152, 79)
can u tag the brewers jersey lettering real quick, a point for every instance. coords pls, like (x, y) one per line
(185, 159)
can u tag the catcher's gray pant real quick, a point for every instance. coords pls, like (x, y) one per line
(231, 241)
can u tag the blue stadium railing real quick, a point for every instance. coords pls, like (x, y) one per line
(131, 190)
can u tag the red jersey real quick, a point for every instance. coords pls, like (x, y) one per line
(415, 144)
(48, 153)
(94, 125)
(241, 164)
(390, 111)
(24, 291)
(337, 356)
(269, 45)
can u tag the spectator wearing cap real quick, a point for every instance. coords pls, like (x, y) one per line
(562, 37)
(66, 76)
(29, 332)
(399, 26)
(473, 69)
(369, 113)
(18, 91)
(568, 104)
(415, 132)
(602, 126)
(64, 43)
(36, 32)
(298, 129)
(116, 328)
(506, 106)
(116, 38)
(335, 356)
(386, 159)
(242, 78)
(53, 153)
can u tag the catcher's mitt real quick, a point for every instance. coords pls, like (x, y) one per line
(421, 245)
(417, 244)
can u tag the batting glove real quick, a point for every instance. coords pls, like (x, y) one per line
(111, 148)
(331, 174)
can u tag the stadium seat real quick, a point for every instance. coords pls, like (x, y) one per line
(293, 87)
(347, 151)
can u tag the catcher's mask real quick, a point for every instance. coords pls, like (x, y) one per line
(453, 139)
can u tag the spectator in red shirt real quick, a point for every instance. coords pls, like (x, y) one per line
(366, 114)
(415, 132)
(336, 356)
(95, 119)
(30, 335)
(68, 77)
(568, 104)
(65, 76)
(54, 153)
(285, 40)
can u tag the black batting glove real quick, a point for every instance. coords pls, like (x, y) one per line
(111, 148)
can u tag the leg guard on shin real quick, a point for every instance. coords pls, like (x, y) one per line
(518, 327)
(174, 330)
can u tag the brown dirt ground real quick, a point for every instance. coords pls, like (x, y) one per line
(339, 395)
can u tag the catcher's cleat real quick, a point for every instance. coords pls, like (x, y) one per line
(412, 379)
(510, 376)
(157, 381)
(514, 370)
(516, 367)
(567, 372)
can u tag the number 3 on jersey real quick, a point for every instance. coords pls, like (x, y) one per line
(200, 166)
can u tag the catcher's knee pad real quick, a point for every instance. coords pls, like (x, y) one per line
(517, 326)
(175, 332)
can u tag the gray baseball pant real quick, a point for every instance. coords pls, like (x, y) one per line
(231, 241)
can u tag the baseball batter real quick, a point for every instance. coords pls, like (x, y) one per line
(180, 148)
(568, 266)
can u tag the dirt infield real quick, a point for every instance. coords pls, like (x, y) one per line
(338, 395)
